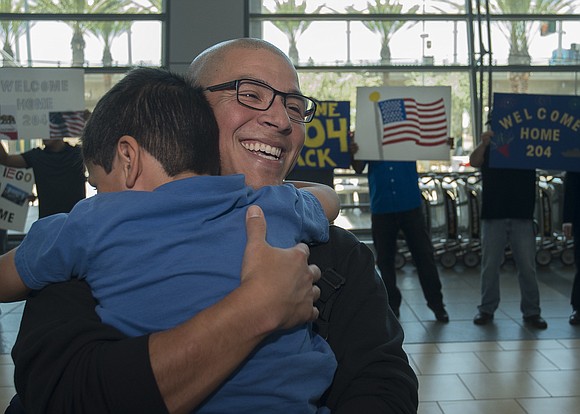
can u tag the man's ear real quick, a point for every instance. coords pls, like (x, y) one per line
(129, 153)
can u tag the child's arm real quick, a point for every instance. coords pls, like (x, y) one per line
(12, 288)
(325, 194)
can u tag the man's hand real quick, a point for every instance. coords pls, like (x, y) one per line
(477, 157)
(486, 137)
(281, 279)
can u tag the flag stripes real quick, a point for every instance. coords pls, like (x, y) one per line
(66, 124)
(408, 120)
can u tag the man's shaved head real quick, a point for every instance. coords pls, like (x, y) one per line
(209, 60)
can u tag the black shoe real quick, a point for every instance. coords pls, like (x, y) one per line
(575, 318)
(536, 321)
(441, 315)
(483, 318)
(439, 312)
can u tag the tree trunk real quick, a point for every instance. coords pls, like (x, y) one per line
(385, 60)
(293, 52)
(107, 57)
(519, 81)
(8, 52)
(385, 53)
(78, 48)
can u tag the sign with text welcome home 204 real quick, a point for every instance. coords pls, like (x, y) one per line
(535, 131)
(41, 103)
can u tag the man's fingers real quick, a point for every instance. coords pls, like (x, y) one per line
(294, 294)
(304, 248)
(315, 293)
(255, 225)
(316, 272)
(315, 313)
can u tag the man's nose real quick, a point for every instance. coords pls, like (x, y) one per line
(277, 114)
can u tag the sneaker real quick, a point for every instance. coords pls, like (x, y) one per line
(535, 321)
(483, 318)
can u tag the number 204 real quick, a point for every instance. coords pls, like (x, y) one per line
(538, 151)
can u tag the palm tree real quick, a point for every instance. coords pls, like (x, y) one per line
(292, 28)
(10, 30)
(79, 27)
(385, 28)
(519, 33)
(107, 31)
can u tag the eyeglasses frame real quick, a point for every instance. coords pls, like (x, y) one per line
(234, 85)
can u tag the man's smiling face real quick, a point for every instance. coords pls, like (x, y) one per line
(263, 145)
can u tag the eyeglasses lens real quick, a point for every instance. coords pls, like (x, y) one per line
(258, 96)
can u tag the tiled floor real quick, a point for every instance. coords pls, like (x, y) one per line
(9, 323)
(503, 368)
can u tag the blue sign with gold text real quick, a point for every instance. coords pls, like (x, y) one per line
(326, 144)
(535, 131)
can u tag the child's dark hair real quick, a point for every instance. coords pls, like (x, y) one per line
(169, 118)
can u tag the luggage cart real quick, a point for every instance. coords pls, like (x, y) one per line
(549, 240)
(472, 250)
(441, 211)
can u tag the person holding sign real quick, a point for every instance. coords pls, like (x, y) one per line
(571, 228)
(59, 173)
(507, 213)
(396, 204)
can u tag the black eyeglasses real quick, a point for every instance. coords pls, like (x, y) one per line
(257, 95)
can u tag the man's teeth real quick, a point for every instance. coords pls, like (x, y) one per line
(263, 149)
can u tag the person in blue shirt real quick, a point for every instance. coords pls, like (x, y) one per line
(396, 205)
(151, 149)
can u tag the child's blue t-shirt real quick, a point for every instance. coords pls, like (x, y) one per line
(155, 259)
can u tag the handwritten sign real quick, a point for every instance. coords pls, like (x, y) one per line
(407, 123)
(15, 187)
(535, 131)
(326, 143)
(32, 99)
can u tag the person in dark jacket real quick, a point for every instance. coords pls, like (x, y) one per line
(66, 361)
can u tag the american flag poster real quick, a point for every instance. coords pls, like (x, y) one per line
(32, 98)
(403, 123)
(68, 124)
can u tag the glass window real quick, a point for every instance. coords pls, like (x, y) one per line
(336, 43)
(106, 44)
(528, 42)
(105, 34)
